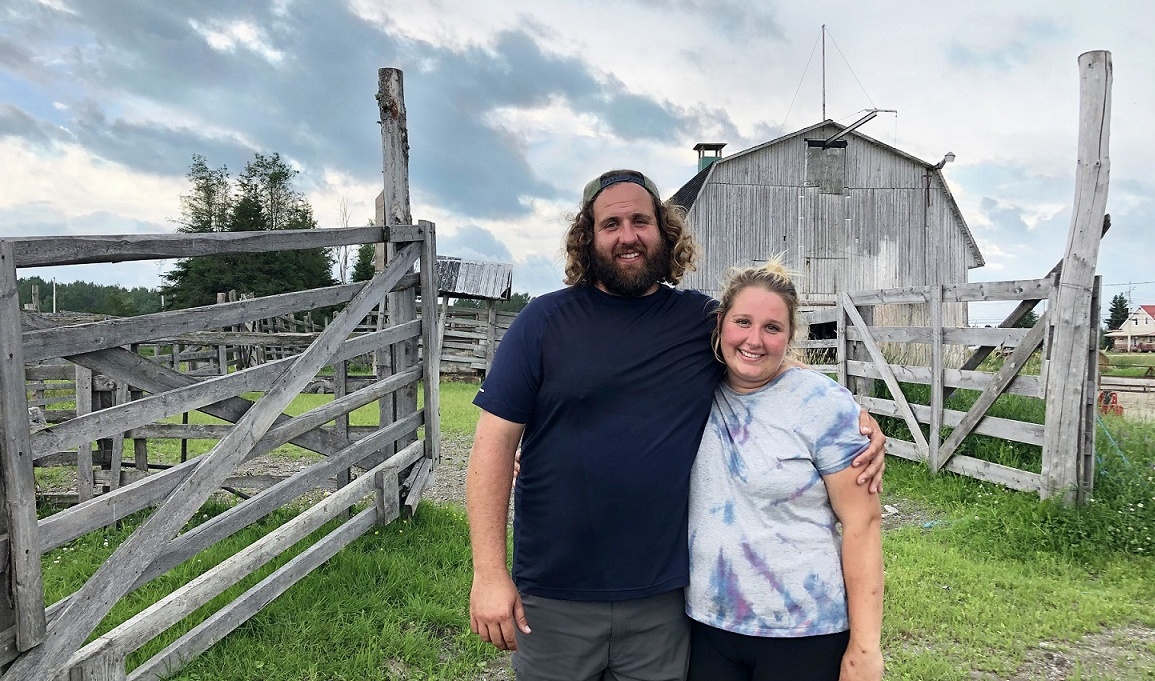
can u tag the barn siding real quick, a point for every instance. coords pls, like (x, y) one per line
(875, 235)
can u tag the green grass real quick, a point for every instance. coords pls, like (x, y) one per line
(1132, 364)
(994, 574)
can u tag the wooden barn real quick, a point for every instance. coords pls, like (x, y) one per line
(849, 212)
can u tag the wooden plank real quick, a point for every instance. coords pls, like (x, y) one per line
(994, 336)
(969, 380)
(1086, 472)
(1073, 326)
(67, 525)
(490, 333)
(842, 354)
(969, 292)
(387, 497)
(59, 373)
(91, 426)
(84, 481)
(1012, 366)
(421, 476)
(242, 515)
(128, 367)
(174, 607)
(936, 372)
(993, 426)
(431, 338)
(296, 340)
(20, 575)
(121, 397)
(47, 340)
(114, 577)
(216, 626)
(887, 376)
(105, 663)
(80, 338)
(397, 234)
(997, 473)
(75, 250)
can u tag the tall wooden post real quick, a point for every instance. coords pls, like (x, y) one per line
(431, 330)
(21, 584)
(402, 307)
(1072, 323)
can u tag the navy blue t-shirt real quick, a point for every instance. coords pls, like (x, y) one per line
(614, 393)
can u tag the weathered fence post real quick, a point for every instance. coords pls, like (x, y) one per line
(431, 332)
(1071, 320)
(936, 377)
(402, 307)
(21, 585)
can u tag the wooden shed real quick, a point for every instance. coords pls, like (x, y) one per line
(849, 212)
(470, 336)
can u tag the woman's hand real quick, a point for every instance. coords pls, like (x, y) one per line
(861, 663)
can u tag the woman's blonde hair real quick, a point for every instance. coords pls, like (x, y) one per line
(773, 277)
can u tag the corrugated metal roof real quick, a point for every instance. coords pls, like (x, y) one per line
(474, 279)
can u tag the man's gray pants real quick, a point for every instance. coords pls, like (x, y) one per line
(645, 639)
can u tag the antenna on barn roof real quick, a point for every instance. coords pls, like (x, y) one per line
(870, 114)
(823, 71)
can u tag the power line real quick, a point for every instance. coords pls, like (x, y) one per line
(1131, 283)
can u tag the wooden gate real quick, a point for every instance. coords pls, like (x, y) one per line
(1069, 368)
(39, 643)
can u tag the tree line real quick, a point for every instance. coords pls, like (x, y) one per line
(262, 197)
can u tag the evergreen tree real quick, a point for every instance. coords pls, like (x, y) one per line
(363, 268)
(1118, 312)
(208, 206)
(1028, 321)
(263, 199)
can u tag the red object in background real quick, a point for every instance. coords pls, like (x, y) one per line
(1109, 403)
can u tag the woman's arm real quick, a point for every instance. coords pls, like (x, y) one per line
(861, 517)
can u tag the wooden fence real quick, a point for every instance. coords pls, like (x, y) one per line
(865, 354)
(1068, 376)
(39, 643)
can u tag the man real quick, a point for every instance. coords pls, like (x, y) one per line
(607, 385)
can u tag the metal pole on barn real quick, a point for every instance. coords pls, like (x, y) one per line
(1071, 321)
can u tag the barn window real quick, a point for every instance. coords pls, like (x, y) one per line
(826, 166)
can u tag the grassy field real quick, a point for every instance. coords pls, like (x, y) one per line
(1129, 364)
(985, 579)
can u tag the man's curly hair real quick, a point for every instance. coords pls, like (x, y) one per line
(680, 244)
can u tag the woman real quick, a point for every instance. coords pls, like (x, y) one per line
(775, 592)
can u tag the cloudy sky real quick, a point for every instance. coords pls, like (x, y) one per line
(514, 105)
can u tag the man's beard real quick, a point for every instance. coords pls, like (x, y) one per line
(633, 282)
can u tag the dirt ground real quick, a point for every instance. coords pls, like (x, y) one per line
(1137, 405)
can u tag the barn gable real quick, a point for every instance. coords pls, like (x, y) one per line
(857, 214)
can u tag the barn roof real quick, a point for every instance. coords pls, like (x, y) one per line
(474, 279)
(688, 193)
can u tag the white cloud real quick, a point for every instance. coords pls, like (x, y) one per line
(227, 37)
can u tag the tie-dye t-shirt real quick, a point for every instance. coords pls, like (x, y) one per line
(765, 552)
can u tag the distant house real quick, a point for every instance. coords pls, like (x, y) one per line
(1137, 334)
(849, 212)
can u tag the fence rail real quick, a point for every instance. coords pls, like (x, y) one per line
(122, 395)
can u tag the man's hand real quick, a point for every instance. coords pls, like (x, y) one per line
(495, 609)
(873, 459)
